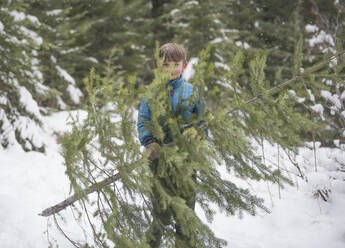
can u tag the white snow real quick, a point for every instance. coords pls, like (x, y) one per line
(244, 44)
(216, 40)
(329, 82)
(222, 65)
(54, 12)
(31, 182)
(61, 103)
(29, 130)
(28, 102)
(292, 92)
(320, 38)
(311, 96)
(3, 100)
(174, 11)
(94, 60)
(318, 108)
(300, 99)
(189, 72)
(65, 75)
(311, 28)
(33, 19)
(326, 94)
(38, 40)
(192, 2)
(75, 93)
(332, 98)
(1, 27)
(18, 16)
(70, 50)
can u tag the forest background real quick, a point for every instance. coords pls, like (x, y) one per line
(48, 47)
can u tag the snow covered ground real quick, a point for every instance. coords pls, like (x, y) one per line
(31, 182)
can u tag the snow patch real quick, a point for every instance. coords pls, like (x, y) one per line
(189, 72)
(318, 108)
(54, 12)
(174, 11)
(321, 38)
(216, 40)
(221, 65)
(326, 94)
(53, 59)
(29, 104)
(74, 93)
(62, 105)
(70, 50)
(18, 16)
(33, 19)
(244, 44)
(41, 88)
(192, 3)
(311, 96)
(92, 59)
(329, 82)
(38, 40)
(292, 92)
(342, 97)
(311, 28)
(31, 182)
(300, 99)
(332, 98)
(65, 75)
(3, 100)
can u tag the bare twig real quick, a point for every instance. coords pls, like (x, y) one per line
(75, 244)
(70, 200)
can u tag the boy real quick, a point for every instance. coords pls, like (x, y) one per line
(174, 59)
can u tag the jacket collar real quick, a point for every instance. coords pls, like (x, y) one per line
(175, 83)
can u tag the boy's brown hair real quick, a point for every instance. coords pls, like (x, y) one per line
(172, 52)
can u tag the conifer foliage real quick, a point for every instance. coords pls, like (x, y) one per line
(267, 70)
(20, 79)
(105, 144)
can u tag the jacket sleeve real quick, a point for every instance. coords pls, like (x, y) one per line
(199, 108)
(144, 119)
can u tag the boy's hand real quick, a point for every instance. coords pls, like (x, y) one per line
(153, 151)
(194, 134)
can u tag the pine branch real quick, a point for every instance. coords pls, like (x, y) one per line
(306, 72)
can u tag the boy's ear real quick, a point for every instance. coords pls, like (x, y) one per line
(185, 64)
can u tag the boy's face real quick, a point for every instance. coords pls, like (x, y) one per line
(176, 67)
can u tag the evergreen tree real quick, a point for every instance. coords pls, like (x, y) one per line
(56, 54)
(258, 50)
(325, 35)
(104, 145)
(21, 82)
(286, 32)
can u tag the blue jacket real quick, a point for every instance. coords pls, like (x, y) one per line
(178, 85)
